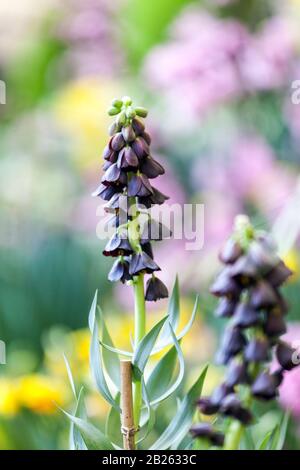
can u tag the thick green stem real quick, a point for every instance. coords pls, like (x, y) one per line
(234, 436)
(139, 333)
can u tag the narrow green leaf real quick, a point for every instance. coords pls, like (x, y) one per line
(161, 345)
(145, 346)
(93, 437)
(173, 312)
(268, 440)
(248, 439)
(113, 426)
(95, 356)
(76, 440)
(282, 431)
(162, 374)
(110, 360)
(182, 421)
(70, 376)
(150, 420)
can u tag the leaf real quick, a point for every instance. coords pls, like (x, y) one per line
(161, 345)
(182, 421)
(144, 348)
(93, 437)
(248, 440)
(274, 439)
(282, 431)
(110, 360)
(172, 312)
(76, 440)
(268, 439)
(161, 376)
(70, 376)
(95, 357)
(113, 425)
(150, 421)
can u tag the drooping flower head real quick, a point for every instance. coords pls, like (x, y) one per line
(129, 169)
(249, 291)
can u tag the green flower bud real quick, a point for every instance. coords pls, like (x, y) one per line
(121, 119)
(142, 112)
(113, 111)
(117, 103)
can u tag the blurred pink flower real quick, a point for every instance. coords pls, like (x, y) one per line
(290, 388)
(89, 29)
(208, 60)
(247, 172)
(266, 61)
(198, 65)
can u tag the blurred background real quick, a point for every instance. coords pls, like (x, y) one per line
(217, 76)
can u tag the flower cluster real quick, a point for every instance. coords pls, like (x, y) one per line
(249, 292)
(125, 185)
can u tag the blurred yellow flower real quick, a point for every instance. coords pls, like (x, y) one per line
(41, 393)
(80, 110)
(291, 259)
(9, 403)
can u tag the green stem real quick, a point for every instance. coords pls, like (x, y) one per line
(234, 436)
(139, 333)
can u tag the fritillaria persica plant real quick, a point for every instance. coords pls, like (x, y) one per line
(126, 186)
(249, 292)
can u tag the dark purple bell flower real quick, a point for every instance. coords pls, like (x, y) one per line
(128, 133)
(127, 159)
(219, 394)
(206, 431)
(237, 374)
(245, 316)
(155, 198)
(138, 126)
(225, 285)
(274, 324)
(257, 350)
(279, 274)
(155, 290)
(117, 246)
(230, 252)
(107, 192)
(112, 174)
(263, 296)
(140, 147)
(244, 271)
(147, 248)
(141, 262)
(106, 165)
(206, 406)
(263, 253)
(117, 142)
(119, 271)
(151, 168)
(139, 185)
(146, 137)
(226, 307)
(109, 155)
(265, 386)
(287, 356)
(233, 342)
(232, 406)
